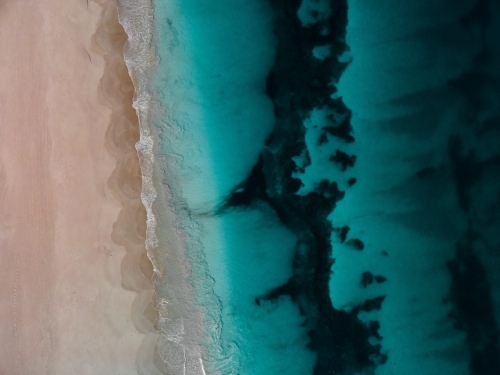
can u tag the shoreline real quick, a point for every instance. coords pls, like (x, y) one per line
(76, 292)
(130, 228)
(185, 329)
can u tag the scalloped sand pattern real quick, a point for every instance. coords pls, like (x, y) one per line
(73, 301)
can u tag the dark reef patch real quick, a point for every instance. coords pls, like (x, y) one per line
(342, 130)
(474, 163)
(297, 84)
(356, 244)
(473, 310)
(370, 304)
(343, 159)
(367, 278)
(380, 279)
(253, 187)
(342, 232)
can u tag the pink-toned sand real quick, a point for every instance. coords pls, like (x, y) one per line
(75, 295)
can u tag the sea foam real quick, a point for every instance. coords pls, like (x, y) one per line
(140, 57)
(189, 332)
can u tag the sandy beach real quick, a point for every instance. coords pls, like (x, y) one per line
(75, 296)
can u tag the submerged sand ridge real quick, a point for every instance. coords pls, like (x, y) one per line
(72, 300)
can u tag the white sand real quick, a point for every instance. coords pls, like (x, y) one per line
(72, 299)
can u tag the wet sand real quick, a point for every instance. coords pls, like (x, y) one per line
(75, 296)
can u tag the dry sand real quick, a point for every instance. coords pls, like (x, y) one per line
(75, 291)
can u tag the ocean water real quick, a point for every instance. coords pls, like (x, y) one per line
(322, 183)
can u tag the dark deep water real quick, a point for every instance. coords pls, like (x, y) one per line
(356, 180)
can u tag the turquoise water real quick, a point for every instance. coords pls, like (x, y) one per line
(405, 112)
(321, 179)
(221, 115)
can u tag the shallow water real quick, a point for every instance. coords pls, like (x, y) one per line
(329, 170)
